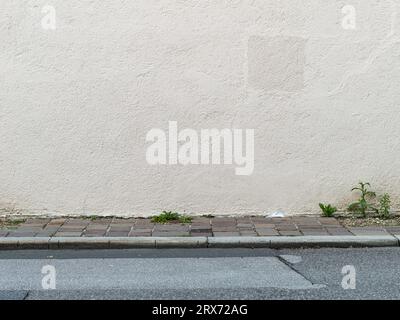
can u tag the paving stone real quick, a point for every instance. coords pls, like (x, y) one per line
(264, 225)
(286, 227)
(117, 234)
(202, 234)
(48, 233)
(29, 229)
(144, 227)
(3, 233)
(199, 225)
(140, 222)
(121, 228)
(280, 220)
(142, 230)
(331, 225)
(245, 225)
(258, 219)
(171, 234)
(224, 222)
(394, 230)
(314, 232)
(339, 232)
(51, 228)
(139, 234)
(201, 221)
(309, 226)
(130, 221)
(56, 222)
(243, 220)
(17, 234)
(248, 233)
(289, 233)
(200, 229)
(68, 234)
(266, 232)
(96, 233)
(368, 231)
(305, 220)
(102, 221)
(121, 225)
(171, 227)
(36, 221)
(224, 229)
(97, 227)
(71, 229)
(83, 222)
(328, 221)
(222, 225)
(223, 219)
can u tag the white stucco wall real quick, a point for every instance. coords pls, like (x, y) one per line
(77, 102)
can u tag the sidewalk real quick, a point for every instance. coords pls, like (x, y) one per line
(299, 231)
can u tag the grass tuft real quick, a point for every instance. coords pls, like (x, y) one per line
(169, 216)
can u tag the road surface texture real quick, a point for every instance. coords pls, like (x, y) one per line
(200, 274)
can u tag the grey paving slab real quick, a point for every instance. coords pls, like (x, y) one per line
(315, 232)
(171, 227)
(339, 231)
(21, 234)
(117, 234)
(200, 229)
(68, 234)
(139, 234)
(171, 234)
(202, 234)
(286, 228)
(74, 228)
(4, 233)
(267, 232)
(368, 231)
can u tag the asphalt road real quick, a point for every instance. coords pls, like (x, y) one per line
(199, 274)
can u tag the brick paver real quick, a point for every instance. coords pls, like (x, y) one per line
(200, 226)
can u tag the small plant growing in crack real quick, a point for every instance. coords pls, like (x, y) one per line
(169, 216)
(385, 206)
(362, 206)
(327, 210)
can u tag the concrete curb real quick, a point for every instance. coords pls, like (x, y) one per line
(200, 242)
(304, 242)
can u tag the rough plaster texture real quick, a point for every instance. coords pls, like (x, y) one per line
(76, 103)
